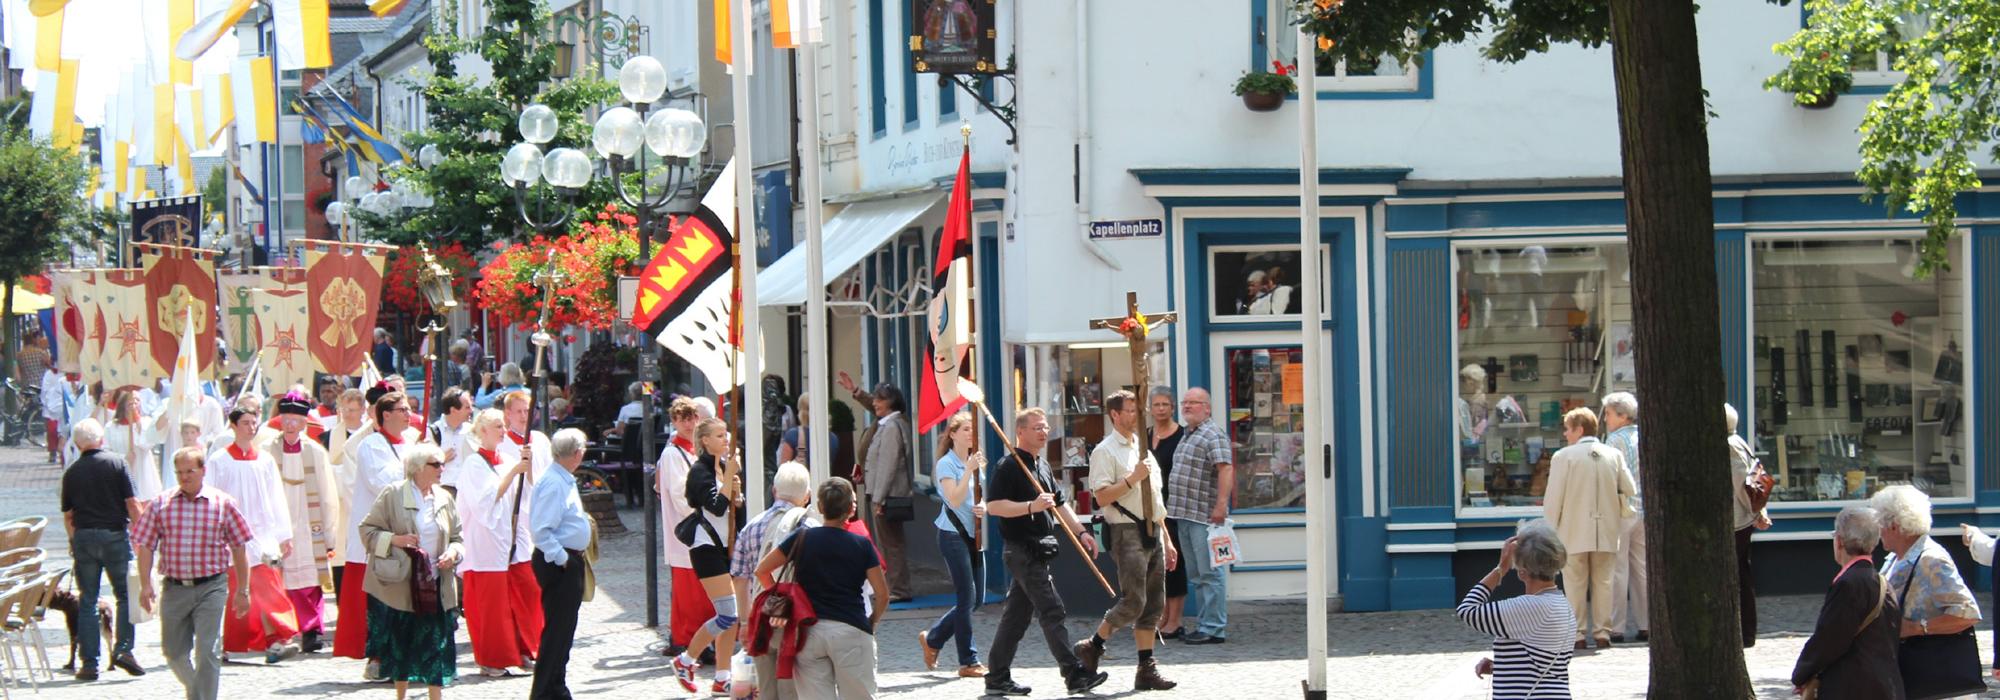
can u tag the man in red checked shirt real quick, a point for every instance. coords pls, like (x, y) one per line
(199, 535)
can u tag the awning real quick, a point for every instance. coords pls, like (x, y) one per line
(848, 237)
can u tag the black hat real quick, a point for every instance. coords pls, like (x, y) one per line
(295, 403)
(381, 389)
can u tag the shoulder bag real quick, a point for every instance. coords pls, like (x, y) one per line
(1938, 665)
(777, 604)
(1810, 691)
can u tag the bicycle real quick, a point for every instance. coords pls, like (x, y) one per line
(21, 415)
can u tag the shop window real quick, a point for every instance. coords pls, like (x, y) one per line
(1384, 74)
(1541, 330)
(1860, 369)
(1266, 417)
(1070, 381)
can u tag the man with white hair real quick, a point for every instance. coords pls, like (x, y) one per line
(1628, 574)
(1254, 300)
(565, 547)
(791, 490)
(97, 505)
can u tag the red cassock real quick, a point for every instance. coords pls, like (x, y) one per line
(350, 629)
(271, 618)
(690, 606)
(503, 615)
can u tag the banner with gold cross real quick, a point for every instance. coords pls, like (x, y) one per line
(240, 328)
(283, 325)
(178, 280)
(343, 290)
(127, 312)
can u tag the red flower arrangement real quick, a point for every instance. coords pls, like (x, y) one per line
(403, 266)
(590, 259)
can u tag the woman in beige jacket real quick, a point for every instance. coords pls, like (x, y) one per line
(1589, 496)
(413, 542)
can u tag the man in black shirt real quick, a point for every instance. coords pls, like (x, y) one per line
(1029, 511)
(97, 505)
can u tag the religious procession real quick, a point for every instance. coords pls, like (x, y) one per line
(624, 348)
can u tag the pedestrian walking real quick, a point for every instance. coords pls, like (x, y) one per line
(688, 607)
(499, 541)
(411, 535)
(378, 465)
(1531, 632)
(836, 659)
(34, 358)
(133, 435)
(199, 537)
(713, 485)
(1748, 519)
(250, 477)
(1588, 498)
(791, 490)
(1938, 608)
(1121, 479)
(1852, 650)
(1628, 574)
(889, 501)
(307, 481)
(1203, 480)
(1981, 547)
(65, 400)
(1030, 510)
(960, 465)
(1166, 436)
(565, 548)
(97, 505)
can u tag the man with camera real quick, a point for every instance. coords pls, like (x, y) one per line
(1029, 511)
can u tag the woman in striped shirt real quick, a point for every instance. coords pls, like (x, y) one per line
(1531, 633)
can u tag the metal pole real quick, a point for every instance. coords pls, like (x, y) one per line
(1316, 460)
(746, 250)
(819, 444)
(648, 371)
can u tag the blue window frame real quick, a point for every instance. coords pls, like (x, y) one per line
(878, 88)
(1272, 36)
(911, 118)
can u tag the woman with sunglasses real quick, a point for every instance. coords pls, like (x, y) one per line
(411, 534)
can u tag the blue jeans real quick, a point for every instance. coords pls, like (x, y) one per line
(957, 622)
(101, 553)
(1208, 586)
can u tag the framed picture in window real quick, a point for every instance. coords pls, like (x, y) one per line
(1250, 283)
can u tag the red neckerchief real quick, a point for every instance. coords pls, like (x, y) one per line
(685, 444)
(326, 411)
(294, 447)
(392, 438)
(518, 438)
(492, 458)
(245, 454)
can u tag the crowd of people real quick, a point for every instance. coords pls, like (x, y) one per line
(413, 526)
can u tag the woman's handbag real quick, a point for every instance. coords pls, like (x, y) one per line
(777, 607)
(899, 509)
(1939, 665)
(1810, 691)
(394, 568)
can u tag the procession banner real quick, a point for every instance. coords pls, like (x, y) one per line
(283, 324)
(950, 319)
(241, 331)
(123, 303)
(344, 290)
(685, 292)
(69, 330)
(86, 295)
(167, 221)
(179, 279)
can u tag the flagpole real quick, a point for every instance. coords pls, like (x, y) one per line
(752, 367)
(1314, 457)
(818, 363)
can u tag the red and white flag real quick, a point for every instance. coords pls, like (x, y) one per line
(950, 318)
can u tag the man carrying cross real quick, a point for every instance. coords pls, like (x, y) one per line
(1121, 480)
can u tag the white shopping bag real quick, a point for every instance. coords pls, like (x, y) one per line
(743, 676)
(1223, 549)
(139, 614)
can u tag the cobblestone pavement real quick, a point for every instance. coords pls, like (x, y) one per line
(1422, 654)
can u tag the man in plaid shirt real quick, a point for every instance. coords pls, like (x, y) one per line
(791, 490)
(1198, 495)
(199, 535)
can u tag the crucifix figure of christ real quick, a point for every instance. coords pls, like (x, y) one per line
(1136, 325)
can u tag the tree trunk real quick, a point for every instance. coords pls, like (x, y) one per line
(13, 355)
(1696, 650)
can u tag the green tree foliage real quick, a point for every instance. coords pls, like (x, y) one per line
(1918, 141)
(473, 124)
(42, 211)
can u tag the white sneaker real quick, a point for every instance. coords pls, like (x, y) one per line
(491, 672)
(280, 651)
(373, 673)
(527, 664)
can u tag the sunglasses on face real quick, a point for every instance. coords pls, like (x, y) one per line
(434, 464)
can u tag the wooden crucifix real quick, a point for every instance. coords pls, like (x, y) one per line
(1136, 325)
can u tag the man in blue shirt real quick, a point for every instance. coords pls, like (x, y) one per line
(565, 543)
(1628, 575)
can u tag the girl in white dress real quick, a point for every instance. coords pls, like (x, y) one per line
(134, 435)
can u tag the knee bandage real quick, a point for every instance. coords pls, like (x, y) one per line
(725, 614)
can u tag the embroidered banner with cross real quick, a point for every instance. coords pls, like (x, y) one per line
(1136, 326)
(343, 290)
(177, 280)
(241, 330)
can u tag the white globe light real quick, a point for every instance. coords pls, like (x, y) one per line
(538, 124)
(388, 202)
(522, 165)
(618, 133)
(371, 203)
(642, 79)
(567, 167)
(353, 186)
(429, 156)
(336, 213)
(675, 133)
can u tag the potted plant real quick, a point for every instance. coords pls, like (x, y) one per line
(1837, 84)
(1264, 92)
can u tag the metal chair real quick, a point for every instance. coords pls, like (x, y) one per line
(15, 535)
(22, 561)
(36, 525)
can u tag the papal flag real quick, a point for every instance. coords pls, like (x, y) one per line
(127, 359)
(303, 38)
(179, 278)
(282, 323)
(685, 293)
(344, 289)
(950, 320)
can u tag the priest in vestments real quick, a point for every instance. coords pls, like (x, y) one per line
(378, 464)
(250, 476)
(493, 507)
(307, 481)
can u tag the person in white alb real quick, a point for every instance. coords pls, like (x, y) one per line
(308, 484)
(690, 606)
(250, 476)
(452, 432)
(502, 599)
(518, 406)
(378, 464)
(1588, 497)
(133, 434)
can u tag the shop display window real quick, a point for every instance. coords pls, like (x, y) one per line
(1860, 369)
(1069, 382)
(1266, 418)
(1541, 329)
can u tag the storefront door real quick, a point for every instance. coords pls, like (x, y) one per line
(1257, 395)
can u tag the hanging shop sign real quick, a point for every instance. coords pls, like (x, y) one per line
(952, 36)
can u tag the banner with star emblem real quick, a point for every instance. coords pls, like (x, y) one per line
(178, 279)
(127, 313)
(282, 326)
(343, 290)
(241, 331)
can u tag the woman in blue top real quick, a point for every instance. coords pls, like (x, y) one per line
(958, 469)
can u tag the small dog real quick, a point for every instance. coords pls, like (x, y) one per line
(67, 602)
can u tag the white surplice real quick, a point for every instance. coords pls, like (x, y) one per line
(377, 465)
(305, 477)
(253, 483)
(487, 518)
(136, 443)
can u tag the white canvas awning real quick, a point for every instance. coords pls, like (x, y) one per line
(848, 237)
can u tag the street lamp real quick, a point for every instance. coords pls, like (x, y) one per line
(623, 136)
(567, 171)
(435, 283)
